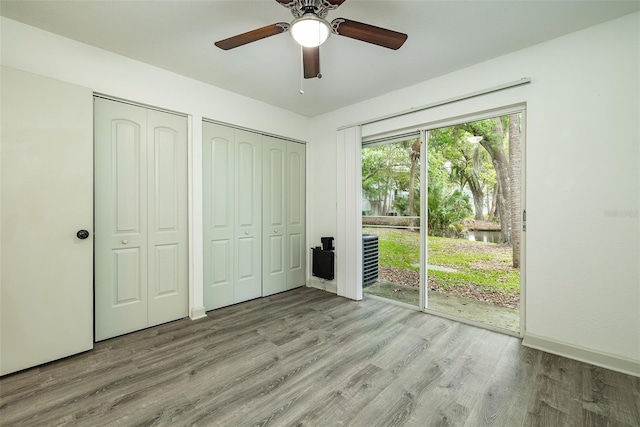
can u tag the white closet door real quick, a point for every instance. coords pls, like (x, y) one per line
(218, 171)
(274, 246)
(249, 227)
(167, 268)
(46, 291)
(120, 218)
(141, 276)
(248, 216)
(296, 242)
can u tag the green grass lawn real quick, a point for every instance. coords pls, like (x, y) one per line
(485, 265)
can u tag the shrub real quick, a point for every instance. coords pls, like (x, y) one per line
(445, 208)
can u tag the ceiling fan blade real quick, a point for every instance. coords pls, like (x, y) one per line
(311, 62)
(368, 33)
(252, 36)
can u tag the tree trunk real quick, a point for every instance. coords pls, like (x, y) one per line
(415, 157)
(478, 193)
(384, 203)
(478, 206)
(493, 206)
(478, 196)
(515, 170)
(412, 172)
(504, 207)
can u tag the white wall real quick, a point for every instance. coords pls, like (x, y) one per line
(582, 180)
(30, 49)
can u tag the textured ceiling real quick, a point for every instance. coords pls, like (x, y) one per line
(443, 36)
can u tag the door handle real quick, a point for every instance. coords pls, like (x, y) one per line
(82, 234)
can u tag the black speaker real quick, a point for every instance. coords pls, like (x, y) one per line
(323, 263)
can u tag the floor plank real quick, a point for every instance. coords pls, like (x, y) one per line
(309, 358)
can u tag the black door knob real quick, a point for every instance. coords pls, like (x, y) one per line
(82, 234)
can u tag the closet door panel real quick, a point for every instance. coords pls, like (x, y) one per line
(167, 272)
(127, 169)
(167, 200)
(248, 179)
(274, 250)
(128, 280)
(296, 251)
(120, 219)
(221, 258)
(218, 153)
(296, 171)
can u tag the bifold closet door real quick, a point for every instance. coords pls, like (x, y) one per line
(283, 203)
(232, 199)
(295, 217)
(140, 218)
(248, 224)
(167, 238)
(274, 216)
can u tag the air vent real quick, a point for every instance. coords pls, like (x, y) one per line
(369, 259)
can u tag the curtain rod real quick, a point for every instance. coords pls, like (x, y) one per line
(522, 81)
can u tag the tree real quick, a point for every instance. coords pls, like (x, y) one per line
(472, 177)
(515, 173)
(444, 208)
(470, 165)
(493, 140)
(385, 170)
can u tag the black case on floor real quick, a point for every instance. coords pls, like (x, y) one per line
(323, 263)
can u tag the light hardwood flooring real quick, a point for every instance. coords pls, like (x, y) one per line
(309, 358)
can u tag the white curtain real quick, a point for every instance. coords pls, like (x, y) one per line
(349, 231)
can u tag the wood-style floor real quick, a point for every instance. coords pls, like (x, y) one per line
(310, 358)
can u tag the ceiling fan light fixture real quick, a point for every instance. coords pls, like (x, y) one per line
(310, 30)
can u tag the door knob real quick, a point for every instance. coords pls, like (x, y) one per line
(82, 234)
(125, 241)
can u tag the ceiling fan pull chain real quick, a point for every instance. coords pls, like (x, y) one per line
(301, 70)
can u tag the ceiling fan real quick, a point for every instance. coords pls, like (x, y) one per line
(310, 29)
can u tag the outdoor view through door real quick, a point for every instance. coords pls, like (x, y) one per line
(473, 219)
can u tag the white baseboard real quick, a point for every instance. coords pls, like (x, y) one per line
(598, 358)
(323, 285)
(198, 313)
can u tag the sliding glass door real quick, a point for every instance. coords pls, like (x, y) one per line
(391, 176)
(444, 209)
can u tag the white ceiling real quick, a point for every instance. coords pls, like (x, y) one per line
(443, 36)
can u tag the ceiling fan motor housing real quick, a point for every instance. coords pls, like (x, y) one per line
(317, 7)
